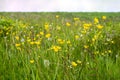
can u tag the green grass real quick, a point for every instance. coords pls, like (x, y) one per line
(39, 46)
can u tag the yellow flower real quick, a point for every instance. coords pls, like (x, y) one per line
(99, 26)
(68, 24)
(48, 35)
(28, 40)
(77, 37)
(46, 27)
(32, 61)
(57, 16)
(94, 38)
(56, 48)
(68, 42)
(41, 33)
(37, 35)
(112, 42)
(13, 33)
(74, 64)
(109, 51)
(76, 19)
(7, 33)
(61, 41)
(17, 45)
(86, 46)
(17, 37)
(103, 54)
(37, 42)
(96, 20)
(32, 42)
(87, 25)
(104, 17)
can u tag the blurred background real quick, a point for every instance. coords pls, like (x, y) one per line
(59, 5)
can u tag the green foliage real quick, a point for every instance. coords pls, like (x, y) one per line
(5, 26)
(55, 46)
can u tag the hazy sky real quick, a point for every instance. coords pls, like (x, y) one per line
(60, 5)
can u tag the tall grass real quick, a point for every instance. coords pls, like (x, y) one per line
(59, 46)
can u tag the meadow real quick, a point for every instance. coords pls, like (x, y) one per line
(59, 46)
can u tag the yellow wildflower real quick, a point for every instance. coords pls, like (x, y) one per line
(48, 35)
(17, 45)
(59, 40)
(41, 33)
(37, 35)
(86, 46)
(68, 24)
(28, 40)
(68, 42)
(109, 51)
(34, 38)
(87, 25)
(37, 42)
(56, 48)
(57, 16)
(99, 26)
(7, 33)
(32, 61)
(95, 38)
(104, 17)
(77, 37)
(76, 19)
(96, 20)
(112, 42)
(13, 33)
(103, 54)
(74, 64)
(62, 42)
(46, 27)
(32, 42)
(17, 37)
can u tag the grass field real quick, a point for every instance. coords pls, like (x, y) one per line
(59, 46)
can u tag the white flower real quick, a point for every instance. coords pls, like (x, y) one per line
(116, 56)
(32, 27)
(22, 40)
(46, 63)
